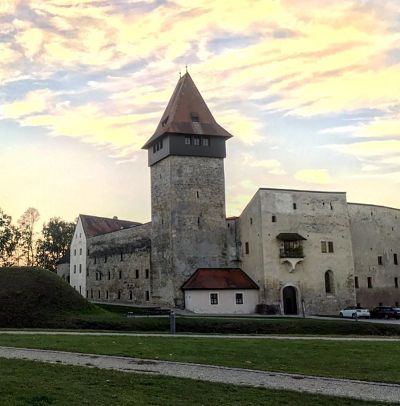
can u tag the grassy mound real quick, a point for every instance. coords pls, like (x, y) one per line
(33, 297)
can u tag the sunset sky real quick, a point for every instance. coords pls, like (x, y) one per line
(309, 89)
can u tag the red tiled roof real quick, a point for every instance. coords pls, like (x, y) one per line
(94, 225)
(177, 118)
(219, 278)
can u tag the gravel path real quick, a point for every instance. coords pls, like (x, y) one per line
(221, 336)
(272, 380)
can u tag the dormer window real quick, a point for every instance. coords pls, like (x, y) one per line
(196, 141)
(164, 122)
(188, 140)
(194, 117)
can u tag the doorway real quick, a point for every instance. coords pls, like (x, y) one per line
(289, 295)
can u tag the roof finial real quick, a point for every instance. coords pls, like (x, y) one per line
(186, 68)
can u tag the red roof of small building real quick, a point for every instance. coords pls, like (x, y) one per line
(93, 225)
(219, 278)
(177, 118)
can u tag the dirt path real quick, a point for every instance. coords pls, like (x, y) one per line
(272, 380)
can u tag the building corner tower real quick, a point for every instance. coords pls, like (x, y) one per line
(186, 157)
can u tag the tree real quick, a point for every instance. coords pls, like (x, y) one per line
(56, 238)
(9, 240)
(27, 231)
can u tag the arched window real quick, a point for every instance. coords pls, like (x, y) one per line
(329, 287)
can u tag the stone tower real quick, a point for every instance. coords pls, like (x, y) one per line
(186, 155)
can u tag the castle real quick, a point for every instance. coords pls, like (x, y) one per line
(290, 251)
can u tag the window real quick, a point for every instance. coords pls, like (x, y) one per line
(380, 262)
(120, 274)
(196, 141)
(74, 268)
(154, 148)
(122, 257)
(369, 282)
(87, 293)
(147, 295)
(205, 141)
(396, 282)
(130, 295)
(109, 275)
(80, 251)
(95, 260)
(106, 294)
(197, 194)
(99, 294)
(147, 274)
(246, 247)
(194, 117)
(188, 140)
(326, 246)
(395, 261)
(105, 258)
(294, 206)
(329, 282)
(97, 276)
(214, 298)
(137, 274)
(239, 298)
(251, 220)
(356, 282)
(80, 268)
(273, 219)
(80, 289)
(331, 206)
(119, 295)
(91, 293)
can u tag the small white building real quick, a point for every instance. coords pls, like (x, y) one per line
(219, 291)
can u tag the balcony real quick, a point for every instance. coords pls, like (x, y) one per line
(291, 252)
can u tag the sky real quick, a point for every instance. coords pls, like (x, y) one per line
(309, 89)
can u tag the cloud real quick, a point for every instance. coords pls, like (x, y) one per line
(273, 166)
(316, 176)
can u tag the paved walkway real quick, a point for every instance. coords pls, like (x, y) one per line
(221, 336)
(272, 380)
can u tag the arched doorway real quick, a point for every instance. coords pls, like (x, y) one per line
(289, 295)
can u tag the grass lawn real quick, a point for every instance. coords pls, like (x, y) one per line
(40, 384)
(371, 361)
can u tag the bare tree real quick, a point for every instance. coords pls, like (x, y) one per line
(26, 225)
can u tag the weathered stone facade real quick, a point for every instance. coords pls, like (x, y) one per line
(375, 232)
(188, 222)
(320, 218)
(118, 268)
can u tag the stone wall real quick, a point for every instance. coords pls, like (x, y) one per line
(189, 224)
(317, 216)
(375, 233)
(119, 267)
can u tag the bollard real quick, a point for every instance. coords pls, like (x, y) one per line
(172, 322)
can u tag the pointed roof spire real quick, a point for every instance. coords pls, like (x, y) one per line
(187, 113)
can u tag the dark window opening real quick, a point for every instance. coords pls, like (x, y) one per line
(329, 282)
(80, 268)
(105, 258)
(273, 219)
(130, 295)
(396, 304)
(99, 294)
(198, 221)
(120, 274)
(251, 220)
(122, 256)
(330, 246)
(396, 282)
(119, 295)
(194, 117)
(369, 282)
(380, 261)
(395, 259)
(109, 275)
(91, 293)
(147, 273)
(239, 298)
(197, 194)
(247, 248)
(214, 298)
(147, 295)
(294, 206)
(106, 294)
(331, 206)
(356, 282)
(74, 268)
(137, 274)
(95, 260)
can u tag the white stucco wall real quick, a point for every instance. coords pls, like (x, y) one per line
(77, 270)
(198, 301)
